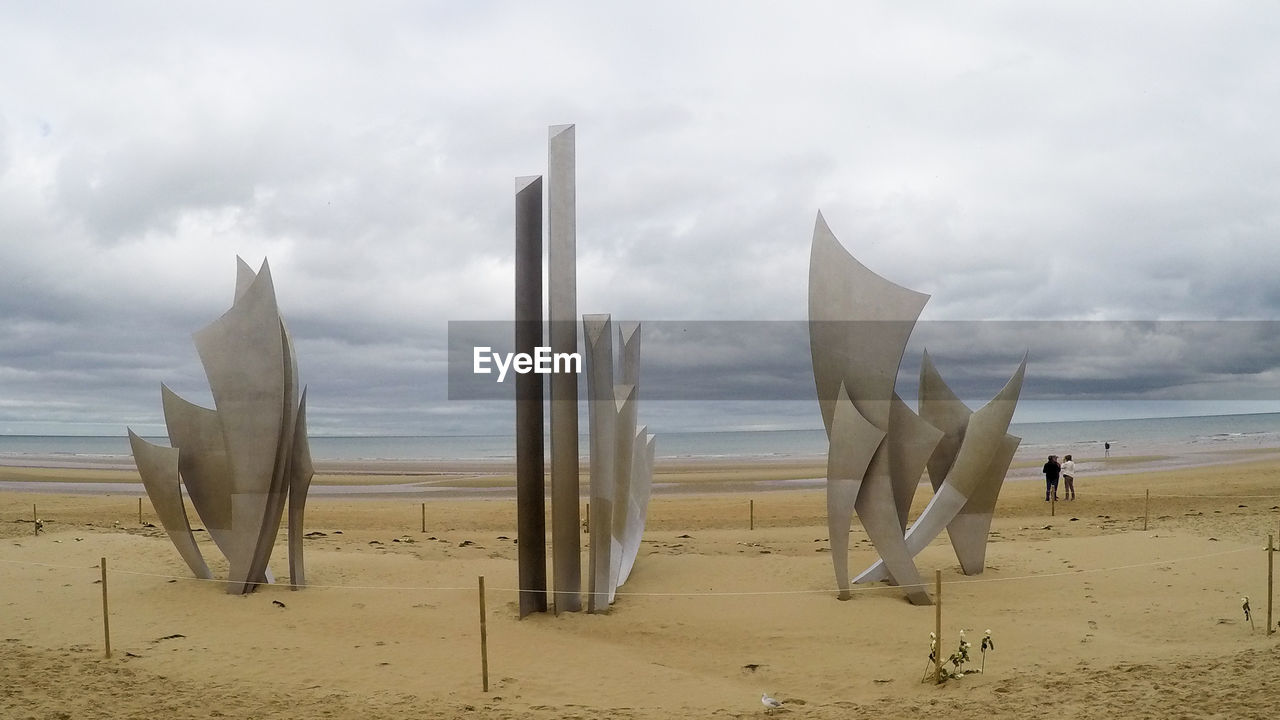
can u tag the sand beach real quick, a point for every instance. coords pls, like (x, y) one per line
(1091, 614)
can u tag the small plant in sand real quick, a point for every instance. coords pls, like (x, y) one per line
(987, 644)
(958, 659)
(933, 656)
(1247, 614)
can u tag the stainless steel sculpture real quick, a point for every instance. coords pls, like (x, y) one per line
(300, 473)
(603, 419)
(241, 461)
(158, 467)
(859, 324)
(941, 407)
(911, 445)
(853, 440)
(973, 481)
(562, 309)
(530, 484)
(203, 467)
(638, 504)
(621, 459)
(626, 394)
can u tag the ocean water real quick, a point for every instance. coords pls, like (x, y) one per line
(710, 445)
(1128, 437)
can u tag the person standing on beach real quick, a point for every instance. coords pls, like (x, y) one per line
(1051, 471)
(1069, 478)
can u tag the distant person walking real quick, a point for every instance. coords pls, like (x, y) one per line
(1106, 449)
(1069, 478)
(1051, 471)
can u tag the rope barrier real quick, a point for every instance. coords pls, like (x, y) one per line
(1175, 495)
(107, 504)
(50, 565)
(709, 593)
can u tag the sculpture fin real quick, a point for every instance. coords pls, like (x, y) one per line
(158, 468)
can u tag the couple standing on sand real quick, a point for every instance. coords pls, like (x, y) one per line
(1052, 469)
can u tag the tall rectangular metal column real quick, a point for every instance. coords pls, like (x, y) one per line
(562, 277)
(531, 522)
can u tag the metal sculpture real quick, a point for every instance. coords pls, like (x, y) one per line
(625, 447)
(638, 504)
(158, 467)
(562, 308)
(621, 459)
(969, 528)
(602, 413)
(531, 520)
(859, 324)
(241, 461)
(971, 486)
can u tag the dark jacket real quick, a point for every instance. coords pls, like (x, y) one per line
(1051, 470)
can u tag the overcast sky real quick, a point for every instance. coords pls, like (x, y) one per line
(1016, 161)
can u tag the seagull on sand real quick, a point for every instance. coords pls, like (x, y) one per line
(769, 702)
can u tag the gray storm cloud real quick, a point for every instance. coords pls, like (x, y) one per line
(1045, 163)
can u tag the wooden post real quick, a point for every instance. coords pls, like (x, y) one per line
(1146, 511)
(586, 528)
(424, 517)
(937, 629)
(1271, 541)
(1053, 506)
(484, 641)
(139, 511)
(106, 617)
(753, 515)
(35, 520)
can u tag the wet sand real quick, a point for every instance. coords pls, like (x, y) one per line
(425, 480)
